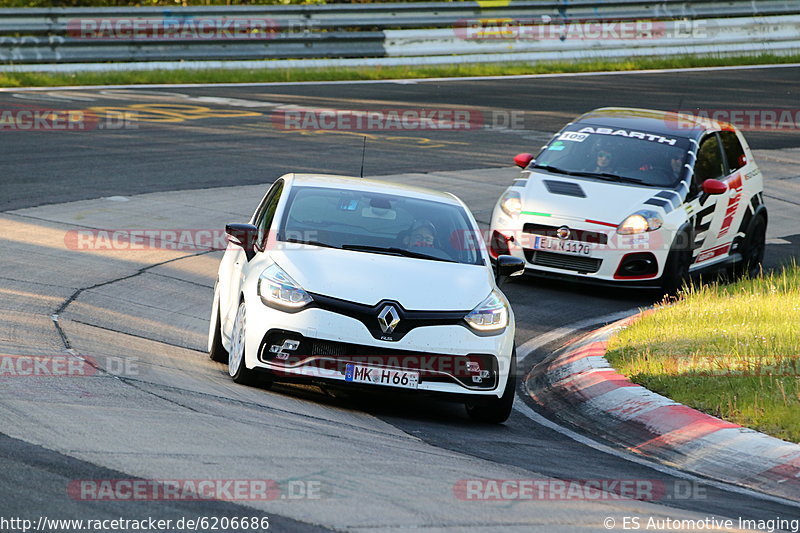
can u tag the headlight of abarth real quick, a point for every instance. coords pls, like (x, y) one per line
(511, 203)
(640, 222)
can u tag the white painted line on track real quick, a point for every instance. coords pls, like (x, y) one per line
(404, 80)
(521, 407)
(535, 343)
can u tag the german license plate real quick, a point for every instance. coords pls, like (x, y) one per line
(564, 247)
(381, 376)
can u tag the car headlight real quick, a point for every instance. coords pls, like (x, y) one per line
(490, 315)
(511, 203)
(277, 288)
(640, 222)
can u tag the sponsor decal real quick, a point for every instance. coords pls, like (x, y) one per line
(712, 253)
(573, 136)
(735, 185)
(701, 226)
(630, 134)
(752, 174)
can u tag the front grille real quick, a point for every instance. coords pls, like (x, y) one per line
(333, 355)
(592, 237)
(584, 265)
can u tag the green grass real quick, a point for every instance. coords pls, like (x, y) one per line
(732, 351)
(24, 79)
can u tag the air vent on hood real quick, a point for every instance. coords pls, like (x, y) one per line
(565, 188)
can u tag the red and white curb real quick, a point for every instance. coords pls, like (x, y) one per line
(577, 385)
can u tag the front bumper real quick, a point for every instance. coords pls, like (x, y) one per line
(449, 358)
(607, 262)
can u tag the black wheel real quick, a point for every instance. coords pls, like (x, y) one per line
(217, 351)
(753, 249)
(496, 410)
(676, 269)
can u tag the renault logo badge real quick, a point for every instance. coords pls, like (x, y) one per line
(388, 318)
(563, 233)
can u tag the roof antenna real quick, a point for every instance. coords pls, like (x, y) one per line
(363, 155)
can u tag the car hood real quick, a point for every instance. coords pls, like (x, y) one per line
(607, 202)
(368, 278)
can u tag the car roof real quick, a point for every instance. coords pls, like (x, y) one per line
(370, 185)
(666, 123)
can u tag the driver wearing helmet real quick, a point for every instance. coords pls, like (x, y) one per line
(603, 161)
(421, 235)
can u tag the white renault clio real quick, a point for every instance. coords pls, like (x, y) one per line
(366, 284)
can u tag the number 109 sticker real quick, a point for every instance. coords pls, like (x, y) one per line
(573, 136)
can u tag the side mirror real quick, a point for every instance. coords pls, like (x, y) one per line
(712, 187)
(243, 235)
(523, 160)
(508, 266)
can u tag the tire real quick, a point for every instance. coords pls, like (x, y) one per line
(496, 410)
(217, 352)
(752, 250)
(237, 367)
(676, 269)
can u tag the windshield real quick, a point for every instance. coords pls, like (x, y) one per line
(380, 223)
(639, 157)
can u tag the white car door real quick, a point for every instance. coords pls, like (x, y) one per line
(737, 165)
(708, 211)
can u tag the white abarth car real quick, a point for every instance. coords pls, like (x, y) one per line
(366, 284)
(636, 197)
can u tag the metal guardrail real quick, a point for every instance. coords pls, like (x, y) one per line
(416, 31)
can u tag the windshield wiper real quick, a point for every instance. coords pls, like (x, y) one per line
(313, 243)
(393, 251)
(555, 170)
(602, 175)
(610, 177)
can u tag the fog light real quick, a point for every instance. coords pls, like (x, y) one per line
(637, 265)
(281, 351)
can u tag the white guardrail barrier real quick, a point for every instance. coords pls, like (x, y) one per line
(413, 33)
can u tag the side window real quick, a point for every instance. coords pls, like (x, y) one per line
(733, 151)
(264, 219)
(709, 161)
